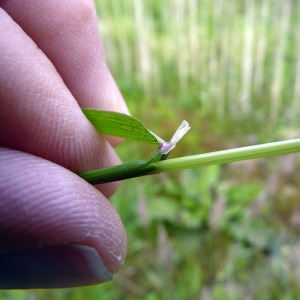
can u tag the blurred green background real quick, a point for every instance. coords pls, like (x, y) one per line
(232, 69)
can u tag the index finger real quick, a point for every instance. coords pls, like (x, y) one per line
(67, 32)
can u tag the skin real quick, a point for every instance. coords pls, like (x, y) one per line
(52, 63)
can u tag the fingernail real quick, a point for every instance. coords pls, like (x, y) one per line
(55, 266)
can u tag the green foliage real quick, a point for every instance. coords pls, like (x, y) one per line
(234, 60)
(120, 125)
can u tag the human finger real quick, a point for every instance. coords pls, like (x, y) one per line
(38, 113)
(55, 229)
(67, 32)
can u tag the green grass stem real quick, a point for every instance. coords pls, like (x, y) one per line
(228, 156)
(141, 168)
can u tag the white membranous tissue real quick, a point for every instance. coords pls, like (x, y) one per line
(166, 147)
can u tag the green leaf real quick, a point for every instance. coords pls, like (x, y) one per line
(120, 125)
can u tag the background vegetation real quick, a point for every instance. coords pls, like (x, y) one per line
(232, 69)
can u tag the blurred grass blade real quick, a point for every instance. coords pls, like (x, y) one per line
(120, 125)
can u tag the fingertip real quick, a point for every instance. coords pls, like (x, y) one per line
(76, 51)
(45, 204)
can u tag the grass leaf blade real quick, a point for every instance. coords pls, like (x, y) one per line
(120, 125)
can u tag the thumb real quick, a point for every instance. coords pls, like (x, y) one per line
(48, 208)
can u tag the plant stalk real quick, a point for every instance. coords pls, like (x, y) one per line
(141, 168)
(228, 156)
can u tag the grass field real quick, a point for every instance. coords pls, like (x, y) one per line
(232, 69)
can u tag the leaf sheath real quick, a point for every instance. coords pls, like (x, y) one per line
(119, 172)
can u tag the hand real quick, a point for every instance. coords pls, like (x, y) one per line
(55, 229)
